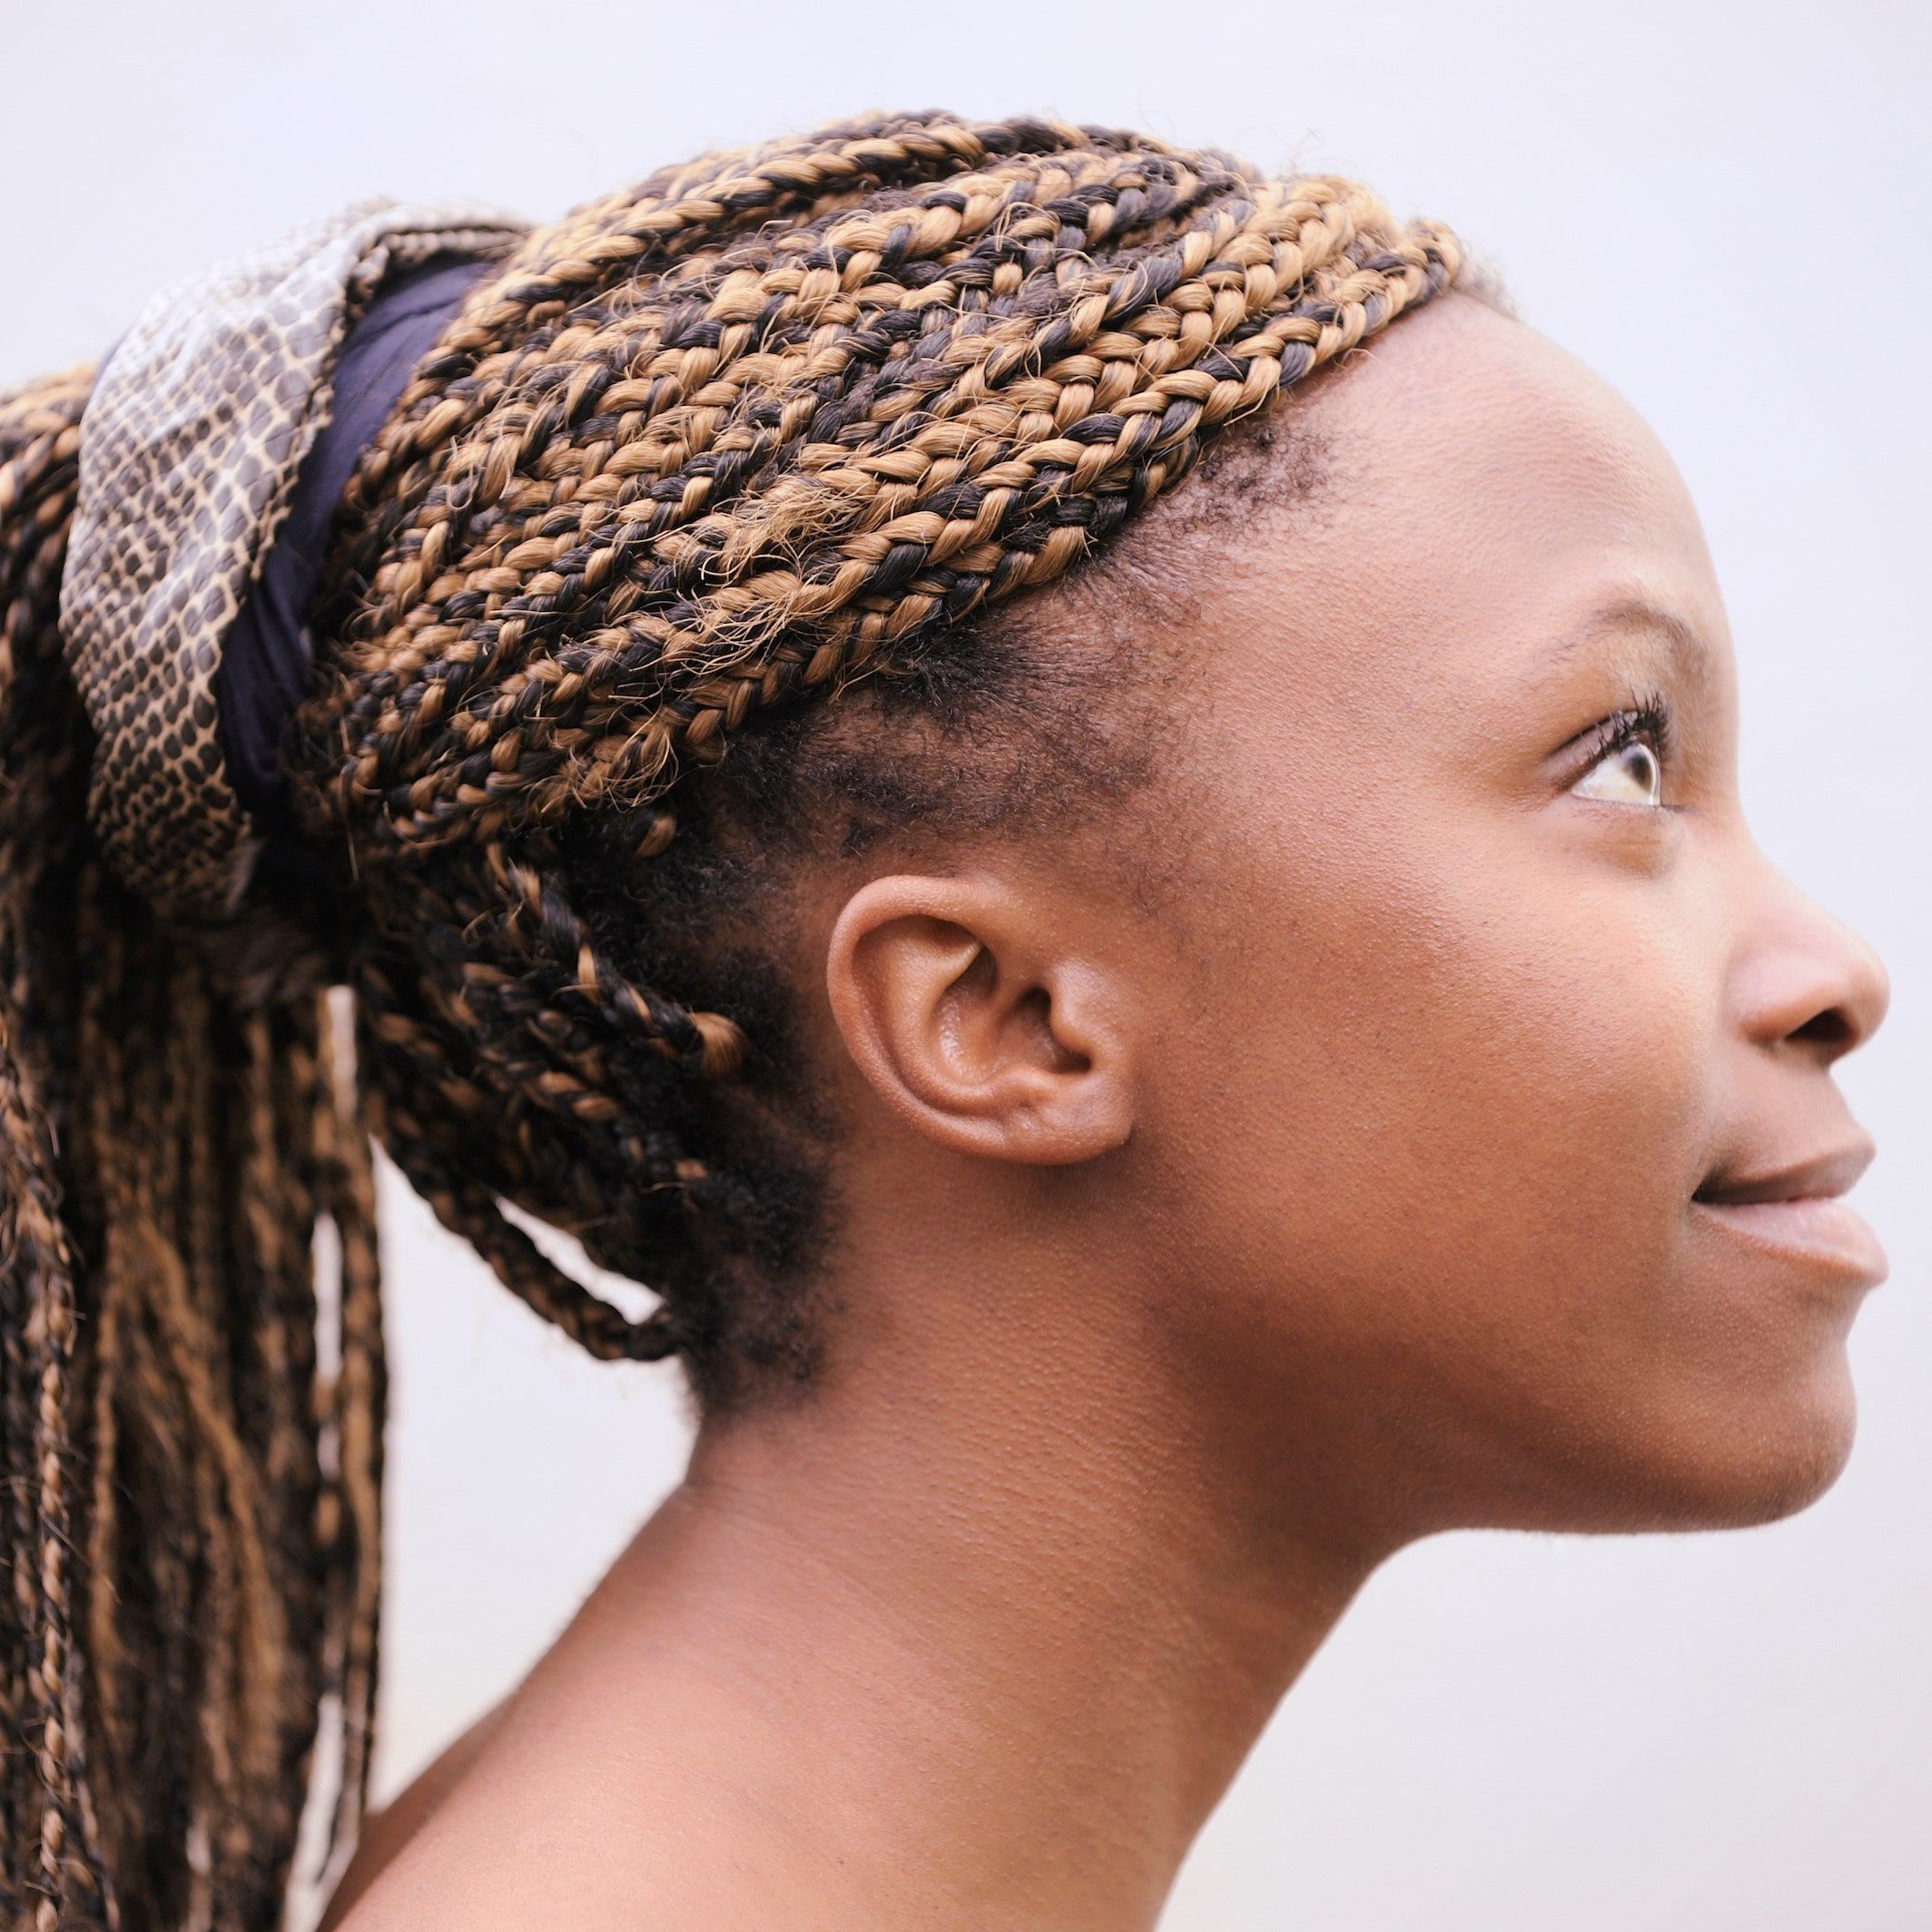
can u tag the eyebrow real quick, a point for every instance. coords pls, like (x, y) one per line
(1691, 656)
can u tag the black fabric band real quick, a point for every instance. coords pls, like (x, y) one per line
(267, 652)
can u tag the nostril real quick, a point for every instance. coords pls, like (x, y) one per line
(1829, 1028)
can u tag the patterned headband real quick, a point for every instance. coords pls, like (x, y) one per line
(216, 444)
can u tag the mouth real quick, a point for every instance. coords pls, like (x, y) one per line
(1794, 1211)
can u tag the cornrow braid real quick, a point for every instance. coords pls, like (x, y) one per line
(683, 469)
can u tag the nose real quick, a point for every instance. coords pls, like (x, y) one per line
(1809, 983)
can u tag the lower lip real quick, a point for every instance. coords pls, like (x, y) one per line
(1817, 1228)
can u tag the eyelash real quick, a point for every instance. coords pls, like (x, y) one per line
(1651, 716)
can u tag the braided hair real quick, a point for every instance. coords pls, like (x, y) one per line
(694, 476)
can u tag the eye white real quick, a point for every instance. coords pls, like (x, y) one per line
(1634, 776)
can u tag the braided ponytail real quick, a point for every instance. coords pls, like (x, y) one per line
(691, 478)
(191, 1500)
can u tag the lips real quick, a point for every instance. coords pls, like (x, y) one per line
(1793, 1210)
(1834, 1172)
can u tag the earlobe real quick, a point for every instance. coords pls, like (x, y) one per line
(968, 1018)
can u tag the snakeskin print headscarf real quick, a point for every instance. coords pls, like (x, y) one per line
(191, 444)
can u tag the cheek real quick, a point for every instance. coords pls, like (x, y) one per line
(1444, 1155)
(1485, 1084)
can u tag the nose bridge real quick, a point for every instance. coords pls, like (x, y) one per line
(1800, 972)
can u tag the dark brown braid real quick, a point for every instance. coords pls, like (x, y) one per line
(687, 467)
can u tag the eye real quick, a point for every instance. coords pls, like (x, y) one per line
(1630, 749)
(1630, 774)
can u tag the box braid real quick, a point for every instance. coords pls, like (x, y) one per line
(684, 467)
(699, 457)
(190, 1506)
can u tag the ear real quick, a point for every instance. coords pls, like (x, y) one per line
(975, 1025)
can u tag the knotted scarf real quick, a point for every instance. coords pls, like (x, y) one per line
(214, 445)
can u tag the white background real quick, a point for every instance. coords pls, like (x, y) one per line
(1724, 209)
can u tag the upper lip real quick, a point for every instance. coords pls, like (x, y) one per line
(1835, 1172)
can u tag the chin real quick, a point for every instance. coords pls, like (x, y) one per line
(1769, 1462)
(1728, 1460)
(1804, 1474)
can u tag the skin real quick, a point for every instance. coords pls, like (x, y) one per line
(1338, 1198)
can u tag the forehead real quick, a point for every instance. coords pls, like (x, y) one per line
(1458, 409)
(1486, 496)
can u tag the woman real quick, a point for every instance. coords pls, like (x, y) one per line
(1165, 980)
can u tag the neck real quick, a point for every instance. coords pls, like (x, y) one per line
(944, 1654)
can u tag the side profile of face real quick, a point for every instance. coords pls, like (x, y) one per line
(1389, 1114)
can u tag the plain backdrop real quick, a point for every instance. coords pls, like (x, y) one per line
(1721, 208)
